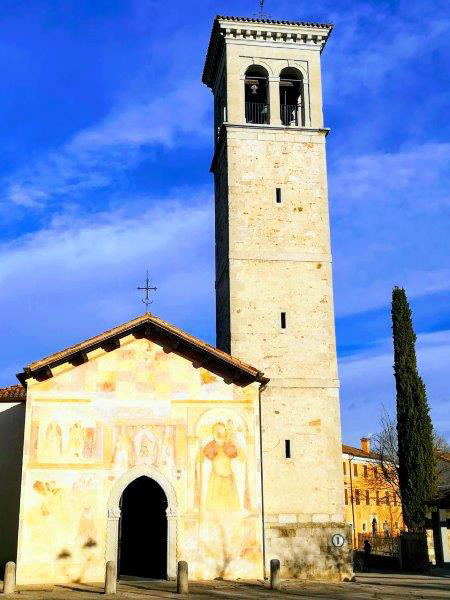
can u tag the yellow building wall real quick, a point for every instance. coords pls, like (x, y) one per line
(381, 503)
(137, 405)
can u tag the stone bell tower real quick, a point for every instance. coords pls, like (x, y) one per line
(274, 294)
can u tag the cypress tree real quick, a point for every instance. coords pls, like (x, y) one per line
(417, 462)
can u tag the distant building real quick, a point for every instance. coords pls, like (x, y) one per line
(372, 505)
(438, 522)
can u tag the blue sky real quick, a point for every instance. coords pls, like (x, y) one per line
(105, 147)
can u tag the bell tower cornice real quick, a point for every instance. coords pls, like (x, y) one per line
(258, 32)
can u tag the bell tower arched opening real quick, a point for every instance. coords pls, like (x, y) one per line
(292, 101)
(257, 95)
(142, 547)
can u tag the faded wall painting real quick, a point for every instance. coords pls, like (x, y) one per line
(195, 430)
(221, 469)
(229, 526)
(156, 445)
(66, 436)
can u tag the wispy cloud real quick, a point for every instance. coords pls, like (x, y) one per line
(79, 275)
(367, 384)
(96, 156)
(374, 41)
(384, 207)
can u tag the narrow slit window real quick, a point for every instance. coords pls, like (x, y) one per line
(287, 448)
(283, 320)
(278, 195)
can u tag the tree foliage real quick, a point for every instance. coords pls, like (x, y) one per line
(416, 458)
(385, 444)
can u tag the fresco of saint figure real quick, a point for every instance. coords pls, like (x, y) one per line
(76, 440)
(121, 459)
(146, 448)
(167, 460)
(221, 451)
(53, 441)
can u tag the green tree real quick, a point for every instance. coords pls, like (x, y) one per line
(416, 458)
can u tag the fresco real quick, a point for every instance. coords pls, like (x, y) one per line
(221, 469)
(228, 528)
(157, 412)
(152, 445)
(68, 436)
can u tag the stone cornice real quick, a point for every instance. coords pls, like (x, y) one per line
(222, 134)
(260, 32)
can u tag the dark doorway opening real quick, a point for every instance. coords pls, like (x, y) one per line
(143, 530)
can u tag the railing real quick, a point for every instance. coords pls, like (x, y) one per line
(381, 543)
(289, 114)
(257, 112)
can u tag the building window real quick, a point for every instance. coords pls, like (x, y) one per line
(283, 320)
(367, 497)
(344, 467)
(388, 500)
(292, 102)
(278, 195)
(357, 497)
(346, 496)
(375, 472)
(365, 471)
(355, 470)
(256, 95)
(287, 448)
(378, 498)
(364, 527)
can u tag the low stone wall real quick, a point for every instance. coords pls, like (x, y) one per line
(306, 551)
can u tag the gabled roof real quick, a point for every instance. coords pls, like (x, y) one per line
(168, 336)
(13, 393)
(360, 453)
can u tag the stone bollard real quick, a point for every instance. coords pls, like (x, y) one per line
(275, 581)
(110, 578)
(182, 577)
(9, 582)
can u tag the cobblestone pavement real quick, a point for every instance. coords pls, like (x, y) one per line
(367, 585)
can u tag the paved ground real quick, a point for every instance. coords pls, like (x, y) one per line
(367, 585)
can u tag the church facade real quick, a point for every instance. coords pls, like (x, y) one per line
(146, 446)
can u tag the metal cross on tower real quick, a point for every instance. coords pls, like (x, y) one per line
(146, 300)
(261, 9)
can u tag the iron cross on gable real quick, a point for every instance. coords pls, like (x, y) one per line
(147, 287)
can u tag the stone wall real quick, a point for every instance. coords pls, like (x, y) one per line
(280, 262)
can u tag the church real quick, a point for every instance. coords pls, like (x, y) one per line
(143, 444)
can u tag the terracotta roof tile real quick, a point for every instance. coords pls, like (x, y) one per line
(275, 22)
(358, 452)
(157, 326)
(13, 393)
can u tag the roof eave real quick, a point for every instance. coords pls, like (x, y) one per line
(215, 37)
(198, 353)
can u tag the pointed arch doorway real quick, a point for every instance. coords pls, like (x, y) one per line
(137, 500)
(142, 547)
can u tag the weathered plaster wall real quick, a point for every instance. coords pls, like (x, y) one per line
(133, 408)
(12, 419)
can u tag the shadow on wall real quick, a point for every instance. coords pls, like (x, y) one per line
(11, 447)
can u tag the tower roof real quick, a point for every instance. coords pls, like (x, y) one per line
(292, 32)
(159, 331)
